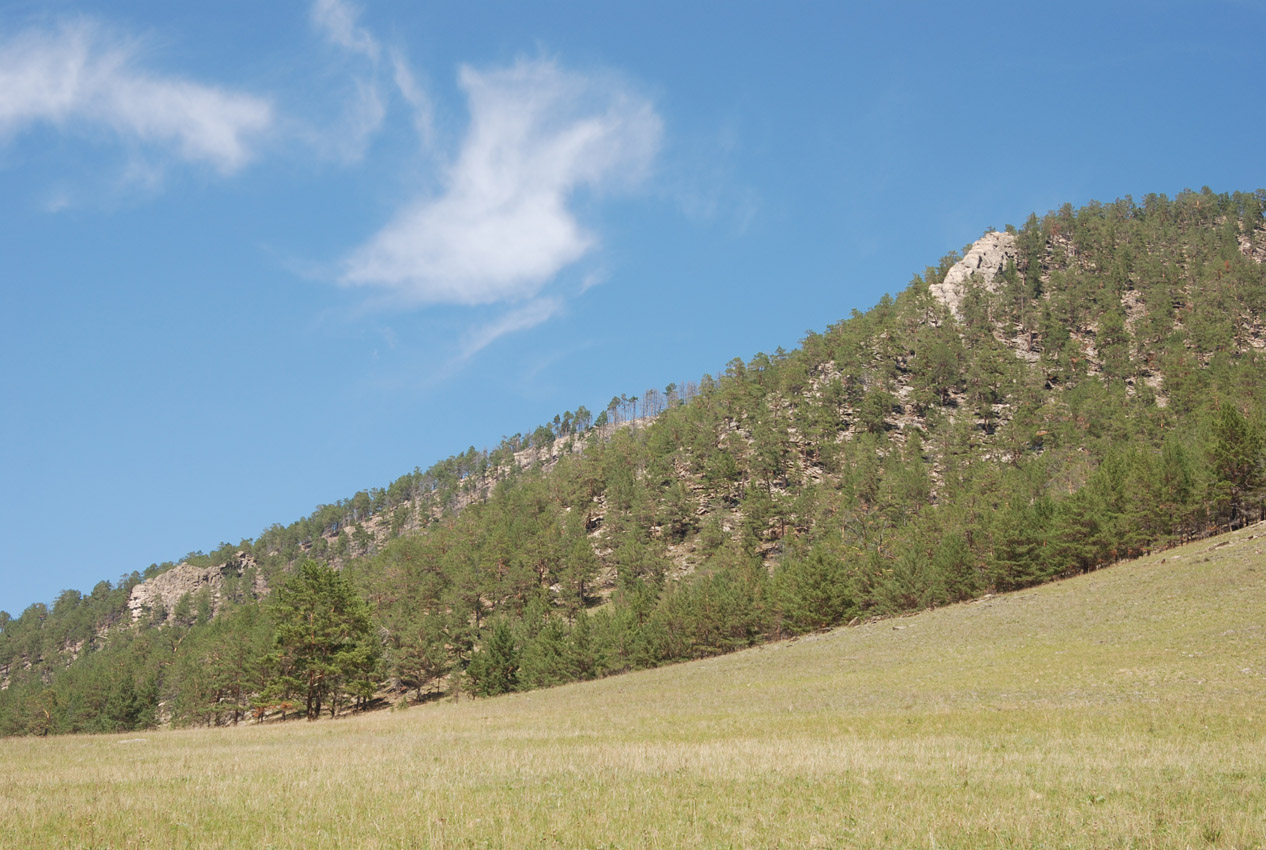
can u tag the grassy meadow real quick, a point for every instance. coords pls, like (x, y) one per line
(1126, 708)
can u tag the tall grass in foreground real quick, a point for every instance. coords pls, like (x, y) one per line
(1121, 709)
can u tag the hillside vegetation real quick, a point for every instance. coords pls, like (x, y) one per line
(1118, 709)
(1084, 389)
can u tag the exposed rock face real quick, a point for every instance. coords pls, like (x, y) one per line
(166, 589)
(986, 259)
(1253, 245)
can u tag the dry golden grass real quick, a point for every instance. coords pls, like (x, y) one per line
(1121, 709)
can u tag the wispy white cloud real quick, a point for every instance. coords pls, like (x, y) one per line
(521, 318)
(337, 20)
(362, 115)
(594, 278)
(502, 228)
(364, 110)
(417, 98)
(704, 184)
(81, 74)
(57, 201)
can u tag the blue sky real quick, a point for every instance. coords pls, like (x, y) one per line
(256, 257)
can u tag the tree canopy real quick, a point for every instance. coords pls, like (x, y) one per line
(325, 643)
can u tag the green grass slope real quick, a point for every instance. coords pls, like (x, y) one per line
(1126, 708)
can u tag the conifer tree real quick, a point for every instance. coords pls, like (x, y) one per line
(494, 667)
(1236, 459)
(325, 641)
(813, 591)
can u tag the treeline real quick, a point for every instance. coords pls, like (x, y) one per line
(1102, 398)
(497, 598)
(333, 533)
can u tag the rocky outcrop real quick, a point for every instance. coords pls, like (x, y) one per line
(164, 591)
(1253, 245)
(985, 260)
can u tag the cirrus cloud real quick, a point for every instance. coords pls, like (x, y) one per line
(338, 21)
(521, 318)
(364, 109)
(503, 226)
(81, 73)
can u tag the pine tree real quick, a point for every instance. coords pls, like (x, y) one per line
(325, 640)
(494, 667)
(1235, 456)
(813, 591)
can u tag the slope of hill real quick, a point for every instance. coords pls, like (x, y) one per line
(1080, 390)
(1121, 708)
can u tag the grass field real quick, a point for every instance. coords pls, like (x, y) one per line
(1126, 708)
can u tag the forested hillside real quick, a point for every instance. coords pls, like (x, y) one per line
(1079, 390)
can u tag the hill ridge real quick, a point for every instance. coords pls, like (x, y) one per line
(1098, 391)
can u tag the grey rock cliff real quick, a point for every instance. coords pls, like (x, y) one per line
(166, 589)
(985, 260)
